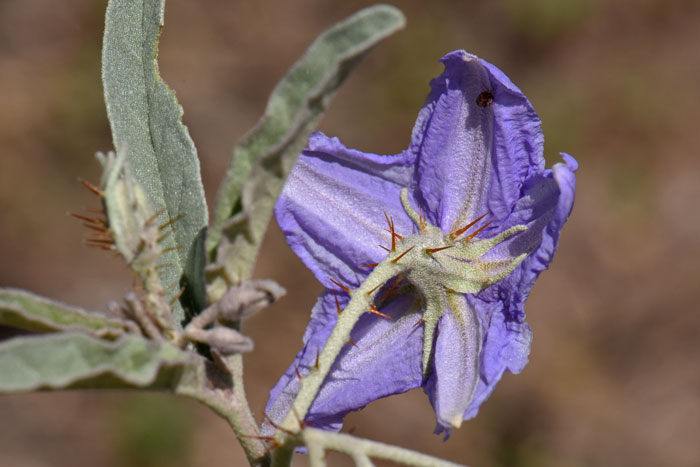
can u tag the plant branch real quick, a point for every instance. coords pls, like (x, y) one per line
(360, 302)
(361, 450)
(229, 402)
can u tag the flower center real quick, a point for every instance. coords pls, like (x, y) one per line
(444, 266)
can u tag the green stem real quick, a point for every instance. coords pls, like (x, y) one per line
(362, 449)
(282, 456)
(360, 301)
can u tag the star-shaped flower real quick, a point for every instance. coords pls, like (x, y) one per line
(467, 217)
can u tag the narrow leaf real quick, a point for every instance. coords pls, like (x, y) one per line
(76, 360)
(25, 310)
(263, 159)
(146, 120)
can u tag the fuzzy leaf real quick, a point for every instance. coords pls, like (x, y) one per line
(264, 158)
(145, 119)
(25, 310)
(76, 360)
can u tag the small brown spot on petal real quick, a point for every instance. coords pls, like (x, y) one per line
(484, 99)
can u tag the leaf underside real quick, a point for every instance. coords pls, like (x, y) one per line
(24, 310)
(76, 360)
(146, 120)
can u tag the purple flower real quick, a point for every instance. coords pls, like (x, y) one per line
(456, 308)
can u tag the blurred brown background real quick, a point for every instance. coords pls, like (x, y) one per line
(613, 378)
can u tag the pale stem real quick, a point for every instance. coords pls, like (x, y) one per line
(230, 405)
(361, 450)
(360, 301)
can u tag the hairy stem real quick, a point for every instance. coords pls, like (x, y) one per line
(282, 456)
(231, 404)
(360, 301)
(318, 441)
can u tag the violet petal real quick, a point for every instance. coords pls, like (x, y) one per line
(332, 208)
(387, 360)
(473, 159)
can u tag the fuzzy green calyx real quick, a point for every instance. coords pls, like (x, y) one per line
(442, 266)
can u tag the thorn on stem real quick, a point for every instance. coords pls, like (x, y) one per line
(265, 438)
(373, 310)
(337, 305)
(480, 229)
(400, 237)
(97, 228)
(89, 220)
(373, 289)
(459, 232)
(90, 186)
(435, 250)
(390, 223)
(277, 427)
(102, 238)
(395, 260)
(392, 289)
(339, 284)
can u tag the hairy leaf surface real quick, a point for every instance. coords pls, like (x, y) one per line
(25, 310)
(73, 360)
(146, 120)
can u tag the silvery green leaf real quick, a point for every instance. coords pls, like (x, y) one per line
(76, 360)
(145, 119)
(25, 310)
(265, 156)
